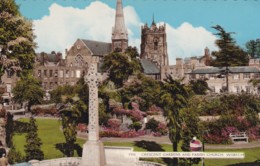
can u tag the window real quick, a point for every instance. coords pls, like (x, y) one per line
(71, 73)
(45, 73)
(202, 76)
(248, 89)
(246, 75)
(78, 73)
(237, 89)
(155, 42)
(79, 60)
(50, 73)
(39, 73)
(56, 73)
(8, 88)
(67, 73)
(235, 76)
(211, 76)
(61, 74)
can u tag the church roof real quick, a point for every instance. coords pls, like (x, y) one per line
(213, 70)
(97, 47)
(149, 67)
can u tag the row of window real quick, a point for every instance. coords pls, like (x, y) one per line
(60, 73)
(234, 76)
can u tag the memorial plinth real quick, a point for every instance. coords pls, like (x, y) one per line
(93, 150)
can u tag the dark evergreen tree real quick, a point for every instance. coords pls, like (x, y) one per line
(253, 48)
(229, 53)
(9, 129)
(33, 143)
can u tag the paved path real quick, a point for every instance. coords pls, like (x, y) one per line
(165, 140)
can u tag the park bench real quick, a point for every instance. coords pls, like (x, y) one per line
(238, 136)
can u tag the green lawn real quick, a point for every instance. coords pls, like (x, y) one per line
(50, 134)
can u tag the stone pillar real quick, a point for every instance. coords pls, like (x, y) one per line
(93, 150)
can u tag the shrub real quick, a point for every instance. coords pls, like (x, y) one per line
(114, 123)
(162, 129)
(130, 134)
(152, 124)
(136, 125)
(108, 132)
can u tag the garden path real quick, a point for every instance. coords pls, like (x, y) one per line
(166, 140)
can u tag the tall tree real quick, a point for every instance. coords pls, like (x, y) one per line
(121, 65)
(199, 87)
(33, 146)
(70, 116)
(253, 48)
(174, 97)
(229, 53)
(16, 39)
(28, 89)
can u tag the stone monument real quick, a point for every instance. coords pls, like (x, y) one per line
(93, 150)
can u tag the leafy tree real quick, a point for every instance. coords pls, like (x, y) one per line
(144, 87)
(152, 124)
(16, 39)
(33, 146)
(28, 89)
(120, 66)
(191, 125)
(199, 87)
(173, 97)
(253, 48)
(229, 53)
(70, 116)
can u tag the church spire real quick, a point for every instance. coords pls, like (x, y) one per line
(119, 34)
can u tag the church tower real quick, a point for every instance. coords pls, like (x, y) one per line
(154, 45)
(119, 32)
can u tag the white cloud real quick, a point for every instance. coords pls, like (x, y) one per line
(60, 29)
(187, 41)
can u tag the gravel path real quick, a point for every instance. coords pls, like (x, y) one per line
(165, 140)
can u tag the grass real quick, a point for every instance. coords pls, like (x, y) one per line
(50, 134)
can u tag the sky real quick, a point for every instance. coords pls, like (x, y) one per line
(59, 23)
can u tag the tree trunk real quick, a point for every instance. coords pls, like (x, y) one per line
(175, 149)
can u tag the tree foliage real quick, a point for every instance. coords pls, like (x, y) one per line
(16, 39)
(33, 143)
(70, 116)
(229, 53)
(199, 87)
(253, 48)
(121, 65)
(9, 128)
(144, 87)
(173, 97)
(28, 89)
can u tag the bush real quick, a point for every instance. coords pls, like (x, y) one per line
(15, 156)
(130, 134)
(108, 132)
(136, 125)
(114, 123)
(152, 124)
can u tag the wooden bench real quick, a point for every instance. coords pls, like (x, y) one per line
(238, 136)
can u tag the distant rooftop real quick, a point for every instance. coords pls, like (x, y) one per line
(149, 67)
(97, 47)
(213, 70)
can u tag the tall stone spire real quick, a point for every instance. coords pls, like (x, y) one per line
(119, 34)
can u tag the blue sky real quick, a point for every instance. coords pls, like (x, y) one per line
(188, 21)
